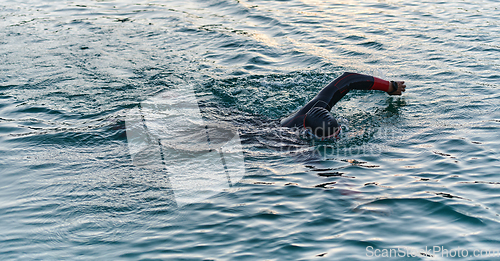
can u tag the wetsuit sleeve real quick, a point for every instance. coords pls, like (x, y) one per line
(381, 85)
(333, 92)
(337, 89)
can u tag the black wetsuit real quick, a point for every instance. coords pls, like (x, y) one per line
(331, 94)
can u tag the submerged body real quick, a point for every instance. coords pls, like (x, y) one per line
(315, 116)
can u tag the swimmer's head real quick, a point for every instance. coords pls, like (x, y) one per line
(319, 122)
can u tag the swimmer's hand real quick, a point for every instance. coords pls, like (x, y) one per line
(401, 88)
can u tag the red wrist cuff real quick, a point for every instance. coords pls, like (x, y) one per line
(381, 85)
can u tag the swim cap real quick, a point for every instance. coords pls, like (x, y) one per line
(321, 123)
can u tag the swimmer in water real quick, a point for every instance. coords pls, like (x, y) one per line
(315, 116)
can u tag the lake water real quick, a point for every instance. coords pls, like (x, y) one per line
(417, 173)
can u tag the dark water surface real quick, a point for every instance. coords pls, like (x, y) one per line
(411, 172)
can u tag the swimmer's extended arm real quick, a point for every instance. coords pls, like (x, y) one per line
(337, 89)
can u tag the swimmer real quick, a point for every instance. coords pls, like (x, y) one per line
(315, 116)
